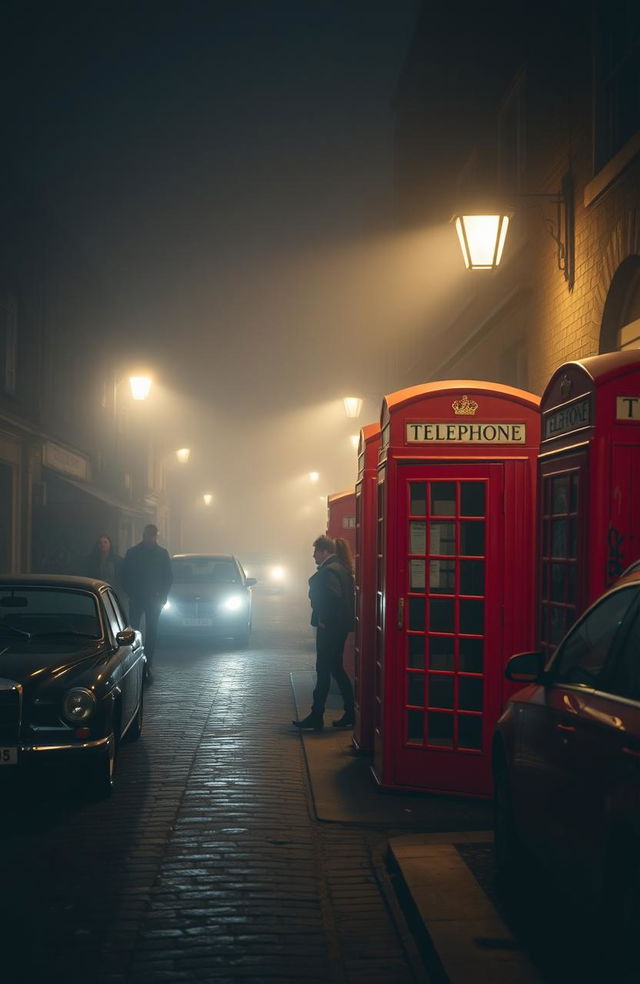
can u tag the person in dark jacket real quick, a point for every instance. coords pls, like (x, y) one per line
(147, 577)
(331, 594)
(104, 563)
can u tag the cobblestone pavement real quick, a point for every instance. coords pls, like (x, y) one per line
(205, 865)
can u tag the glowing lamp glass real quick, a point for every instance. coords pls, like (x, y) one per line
(314, 477)
(482, 239)
(352, 406)
(140, 387)
(183, 455)
(207, 498)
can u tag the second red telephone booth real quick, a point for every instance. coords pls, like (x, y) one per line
(456, 577)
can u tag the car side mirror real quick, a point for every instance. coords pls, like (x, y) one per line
(525, 668)
(126, 637)
(250, 581)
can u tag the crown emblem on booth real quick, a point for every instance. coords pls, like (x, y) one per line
(464, 406)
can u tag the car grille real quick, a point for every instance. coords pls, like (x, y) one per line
(10, 708)
(195, 608)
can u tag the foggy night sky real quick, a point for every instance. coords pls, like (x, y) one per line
(227, 168)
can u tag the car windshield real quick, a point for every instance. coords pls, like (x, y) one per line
(205, 569)
(47, 613)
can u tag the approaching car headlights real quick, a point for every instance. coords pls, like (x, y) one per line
(233, 603)
(167, 606)
(276, 574)
(78, 705)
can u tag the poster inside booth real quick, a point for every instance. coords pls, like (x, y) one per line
(589, 485)
(456, 578)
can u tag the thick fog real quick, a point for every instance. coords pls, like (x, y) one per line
(227, 168)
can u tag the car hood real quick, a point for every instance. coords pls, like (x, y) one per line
(30, 668)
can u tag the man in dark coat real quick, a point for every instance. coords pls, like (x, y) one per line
(147, 577)
(331, 594)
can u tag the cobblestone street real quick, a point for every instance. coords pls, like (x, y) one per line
(206, 864)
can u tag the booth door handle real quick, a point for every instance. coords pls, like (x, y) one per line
(400, 618)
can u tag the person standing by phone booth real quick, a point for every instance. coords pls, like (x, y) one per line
(589, 485)
(455, 594)
(341, 524)
(366, 566)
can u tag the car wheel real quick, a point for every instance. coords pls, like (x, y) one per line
(507, 844)
(135, 728)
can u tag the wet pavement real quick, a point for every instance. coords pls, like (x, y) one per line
(206, 864)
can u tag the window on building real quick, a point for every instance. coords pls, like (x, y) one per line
(629, 331)
(8, 342)
(616, 74)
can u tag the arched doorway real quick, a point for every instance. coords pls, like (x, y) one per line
(621, 318)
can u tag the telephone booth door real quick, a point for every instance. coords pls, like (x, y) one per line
(448, 617)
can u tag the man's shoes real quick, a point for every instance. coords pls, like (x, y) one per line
(346, 721)
(312, 722)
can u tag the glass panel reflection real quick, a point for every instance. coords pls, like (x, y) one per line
(575, 491)
(559, 538)
(442, 538)
(557, 582)
(418, 500)
(442, 615)
(441, 652)
(472, 577)
(417, 537)
(416, 651)
(416, 614)
(415, 689)
(442, 576)
(560, 503)
(472, 499)
(440, 691)
(415, 727)
(443, 499)
(440, 729)
(470, 693)
(471, 655)
(469, 731)
(472, 538)
(416, 575)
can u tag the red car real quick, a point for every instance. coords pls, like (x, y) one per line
(566, 760)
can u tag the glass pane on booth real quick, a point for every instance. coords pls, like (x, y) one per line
(442, 615)
(440, 729)
(472, 538)
(418, 499)
(472, 577)
(471, 657)
(441, 652)
(417, 537)
(417, 575)
(442, 538)
(470, 731)
(415, 727)
(443, 498)
(442, 576)
(470, 690)
(416, 614)
(415, 689)
(416, 645)
(471, 616)
(440, 690)
(472, 499)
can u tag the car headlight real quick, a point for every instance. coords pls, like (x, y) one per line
(233, 603)
(78, 705)
(167, 606)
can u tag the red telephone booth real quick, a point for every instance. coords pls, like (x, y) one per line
(589, 484)
(366, 564)
(341, 520)
(456, 577)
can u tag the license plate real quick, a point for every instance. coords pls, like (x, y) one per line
(8, 756)
(197, 621)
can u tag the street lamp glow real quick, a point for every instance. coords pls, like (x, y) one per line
(140, 386)
(207, 498)
(313, 477)
(482, 238)
(355, 441)
(352, 406)
(183, 455)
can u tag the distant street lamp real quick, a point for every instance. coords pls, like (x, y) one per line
(482, 238)
(140, 387)
(183, 455)
(313, 477)
(352, 406)
(355, 441)
(207, 498)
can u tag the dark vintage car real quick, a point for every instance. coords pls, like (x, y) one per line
(567, 761)
(71, 677)
(210, 598)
